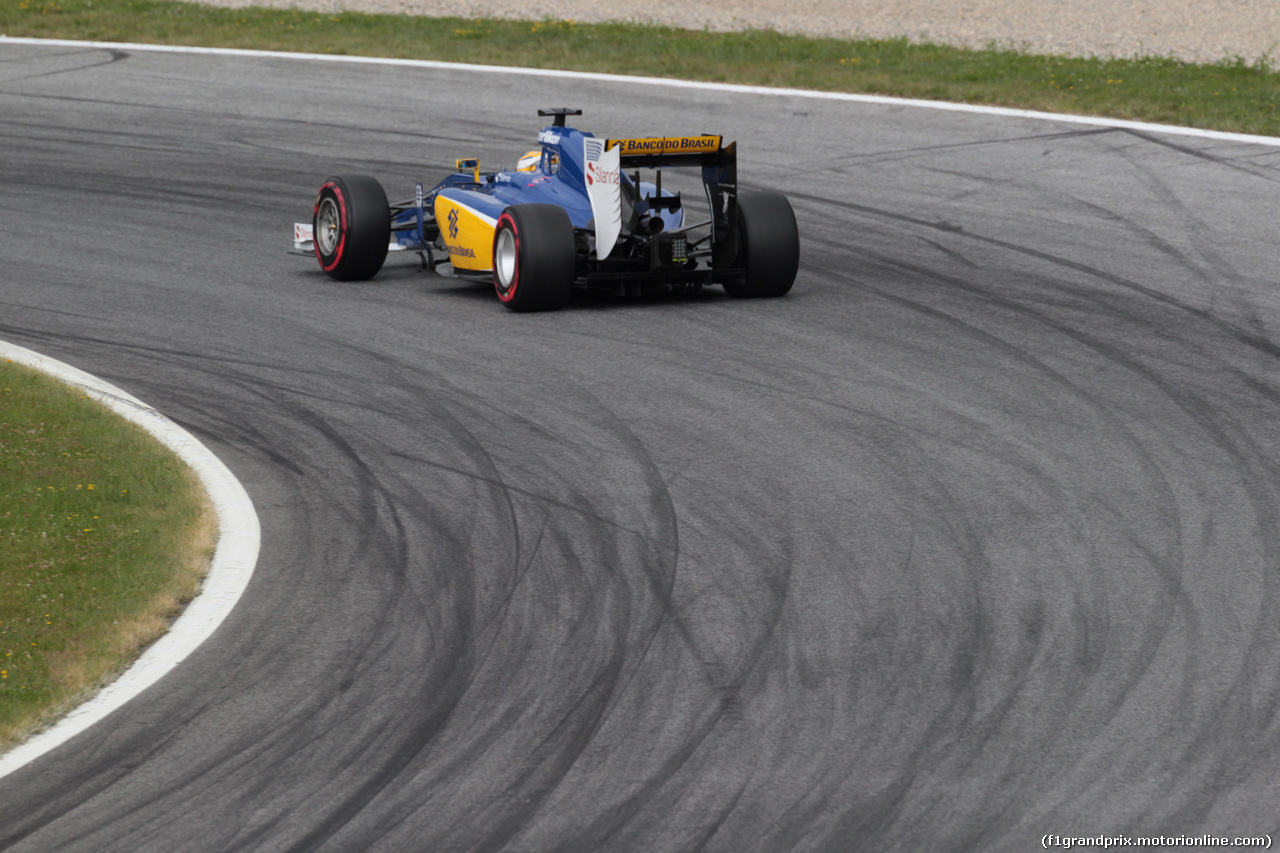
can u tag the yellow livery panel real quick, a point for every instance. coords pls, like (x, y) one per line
(468, 234)
(667, 145)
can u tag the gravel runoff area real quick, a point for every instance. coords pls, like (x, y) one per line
(1191, 30)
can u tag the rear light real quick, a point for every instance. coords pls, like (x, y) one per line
(673, 249)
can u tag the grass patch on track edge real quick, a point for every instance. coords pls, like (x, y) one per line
(105, 534)
(1235, 95)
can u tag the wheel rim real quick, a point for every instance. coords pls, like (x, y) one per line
(504, 258)
(328, 221)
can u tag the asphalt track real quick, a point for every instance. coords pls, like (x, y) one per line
(971, 539)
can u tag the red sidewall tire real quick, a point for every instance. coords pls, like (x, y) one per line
(542, 257)
(351, 227)
(505, 221)
(332, 189)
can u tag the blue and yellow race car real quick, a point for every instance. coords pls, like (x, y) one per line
(578, 211)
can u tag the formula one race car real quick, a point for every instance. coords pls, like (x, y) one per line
(569, 215)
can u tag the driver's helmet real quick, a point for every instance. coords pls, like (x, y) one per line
(529, 162)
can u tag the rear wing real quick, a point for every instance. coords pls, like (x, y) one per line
(668, 150)
(719, 164)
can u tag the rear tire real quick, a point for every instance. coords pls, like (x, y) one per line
(351, 227)
(770, 245)
(535, 258)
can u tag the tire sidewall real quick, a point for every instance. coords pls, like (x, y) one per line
(545, 257)
(770, 245)
(508, 295)
(334, 190)
(364, 227)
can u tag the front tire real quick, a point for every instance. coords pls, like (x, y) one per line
(534, 257)
(351, 227)
(770, 245)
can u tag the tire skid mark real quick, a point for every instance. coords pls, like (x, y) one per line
(662, 570)
(1249, 338)
(1266, 173)
(114, 55)
(1203, 415)
(594, 707)
(846, 162)
(1216, 269)
(380, 545)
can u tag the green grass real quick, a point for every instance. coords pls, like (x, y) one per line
(1234, 95)
(104, 534)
